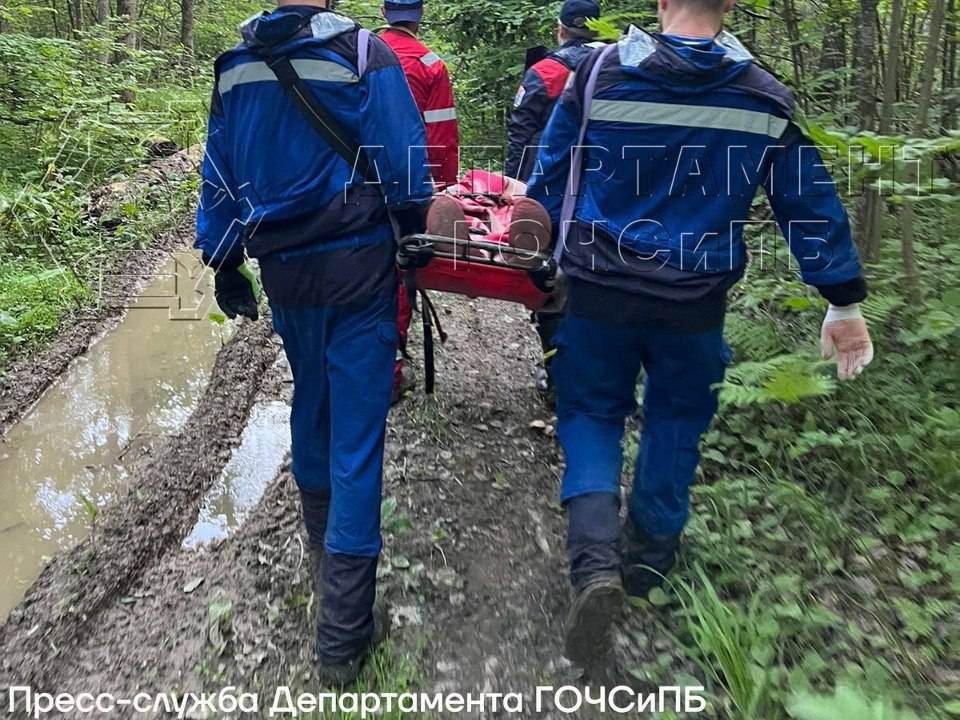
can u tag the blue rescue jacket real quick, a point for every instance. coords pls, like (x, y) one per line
(270, 181)
(681, 134)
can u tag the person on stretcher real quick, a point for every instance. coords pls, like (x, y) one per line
(491, 208)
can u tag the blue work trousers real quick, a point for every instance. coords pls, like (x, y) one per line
(596, 370)
(342, 359)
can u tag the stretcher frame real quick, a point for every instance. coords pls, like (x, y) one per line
(505, 279)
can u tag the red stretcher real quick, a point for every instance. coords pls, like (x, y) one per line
(478, 269)
(485, 265)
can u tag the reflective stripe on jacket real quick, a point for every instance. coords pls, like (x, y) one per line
(430, 84)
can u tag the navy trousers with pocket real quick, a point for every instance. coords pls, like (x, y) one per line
(342, 360)
(596, 370)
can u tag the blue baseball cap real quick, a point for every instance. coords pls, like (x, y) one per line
(575, 13)
(403, 10)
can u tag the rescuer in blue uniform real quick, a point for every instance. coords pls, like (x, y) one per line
(682, 129)
(275, 188)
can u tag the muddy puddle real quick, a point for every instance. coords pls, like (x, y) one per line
(263, 448)
(72, 452)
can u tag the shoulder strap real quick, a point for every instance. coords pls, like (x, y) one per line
(363, 49)
(320, 119)
(576, 161)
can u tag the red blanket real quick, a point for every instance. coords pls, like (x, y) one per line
(487, 201)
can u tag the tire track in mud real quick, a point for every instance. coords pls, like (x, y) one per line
(474, 563)
(157, 510)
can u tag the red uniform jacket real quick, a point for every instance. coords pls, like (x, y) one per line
(430, 85)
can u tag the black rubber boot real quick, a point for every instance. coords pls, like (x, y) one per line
(333, 674)
(647, 558)
(547, 324)
(349, 626)
(593, 547)
(316, 508)
(588, 632)
(593, 537)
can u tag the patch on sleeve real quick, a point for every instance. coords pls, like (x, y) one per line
(519, 96)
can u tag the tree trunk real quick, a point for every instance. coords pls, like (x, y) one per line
(186, 25)
(948, 115)
(893, 66)
(911, 271)
(864, 52)
(832, 60)
(127, 9)
(103, 11)
(796, 49)
(54, 14)
(79, 20)
(937, 12)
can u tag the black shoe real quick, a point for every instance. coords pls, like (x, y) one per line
(647, 559)
(346, 673)
(587, 633)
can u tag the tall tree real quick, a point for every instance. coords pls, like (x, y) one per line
(865, 49)
(948, 114)
(892, 66)
(103, 11)
(834, 58)
(929, 71)
(911, 269)
(127, 9)
(792, 24)
(186, 24)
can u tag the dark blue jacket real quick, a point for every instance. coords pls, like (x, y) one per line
(681, 135)
(270, 181)
(535, 99)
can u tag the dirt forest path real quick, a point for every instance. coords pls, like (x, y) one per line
(473, 567)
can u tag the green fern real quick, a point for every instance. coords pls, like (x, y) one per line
(757, 339)
(783, 378)
(878, 308)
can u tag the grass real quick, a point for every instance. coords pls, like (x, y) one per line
(821, 568)
(41, 282)
(390, 669)
(728, 644)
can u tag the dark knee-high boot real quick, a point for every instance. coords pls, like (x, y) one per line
(350, 624)
(316, 508)
(593, 546)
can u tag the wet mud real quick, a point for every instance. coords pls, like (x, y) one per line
(474, 560)
(74, 449)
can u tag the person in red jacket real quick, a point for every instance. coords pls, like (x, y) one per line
(430, 84)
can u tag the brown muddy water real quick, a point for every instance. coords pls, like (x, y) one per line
(71, 453)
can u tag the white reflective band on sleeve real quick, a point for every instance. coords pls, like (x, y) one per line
(430, 58)
(323, 70)
(702, 116)
(434, 116)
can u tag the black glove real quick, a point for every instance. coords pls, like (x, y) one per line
(237, 292)
(545, 276)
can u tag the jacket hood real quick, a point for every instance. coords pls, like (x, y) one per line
(685, 65)
(293, 22)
